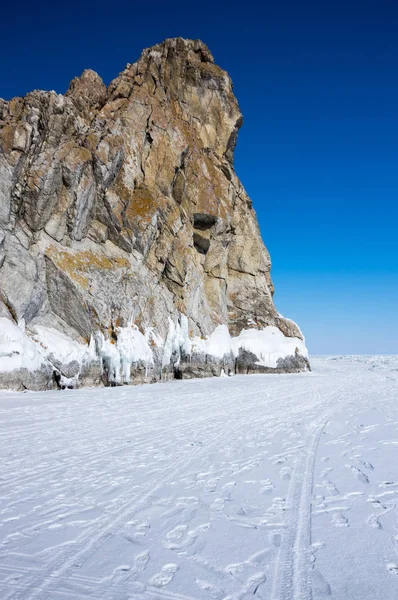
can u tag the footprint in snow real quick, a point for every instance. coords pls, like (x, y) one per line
(122, 569)
(228, 488)
(210, 485)
(140, 530)
(218, 504)
(181, 538)
(278, 504)
(186, 501)
(317, 546)
(374, 522)
(177, 533)
(367, 465)
(331, 488)
(165, 576)
(339, 520)
(319, 584)
(203, 527)
(275, 539)
(235, 568)
(140, 561)
(253, 583)
(279, 461)
(286, 474)
(376, 503)
(359, 474)
(392, 568)
(325, 472)
(267, 486)
(250, 588)
(215, 592)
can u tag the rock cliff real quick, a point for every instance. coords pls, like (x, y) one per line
(129, 249)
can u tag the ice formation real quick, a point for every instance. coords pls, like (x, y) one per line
(129, 348)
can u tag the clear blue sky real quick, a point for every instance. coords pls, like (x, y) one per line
(318, 152)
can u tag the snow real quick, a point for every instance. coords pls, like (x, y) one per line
(218, 344)
(275, 487)
(269, 345)
(133, 347)
(62, 347)
(17, 351)
(129, 346)
(177, 340)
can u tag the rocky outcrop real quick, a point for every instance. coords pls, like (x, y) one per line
(129, 249)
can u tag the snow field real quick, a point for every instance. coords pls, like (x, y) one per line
(275, 487)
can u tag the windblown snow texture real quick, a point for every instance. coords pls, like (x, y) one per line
(277, 487)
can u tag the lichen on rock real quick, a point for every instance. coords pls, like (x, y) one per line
(124, 228)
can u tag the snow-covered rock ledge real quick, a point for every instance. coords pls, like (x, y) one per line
(45, 358)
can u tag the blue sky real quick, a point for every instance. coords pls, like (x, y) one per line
(318, 152)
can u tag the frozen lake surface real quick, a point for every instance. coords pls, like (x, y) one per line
(274, 487)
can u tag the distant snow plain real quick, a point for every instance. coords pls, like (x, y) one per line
(273, 487)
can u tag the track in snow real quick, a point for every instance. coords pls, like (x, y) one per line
(269, 487)
(293, 565)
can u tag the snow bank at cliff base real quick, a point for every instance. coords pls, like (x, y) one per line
(269, 345)
(61, 347)
(17, 350)
(117, 355)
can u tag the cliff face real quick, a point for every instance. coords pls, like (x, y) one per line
(129, 249)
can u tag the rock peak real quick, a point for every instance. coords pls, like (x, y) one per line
(88, 91)
(196, 48)
(182, 74)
